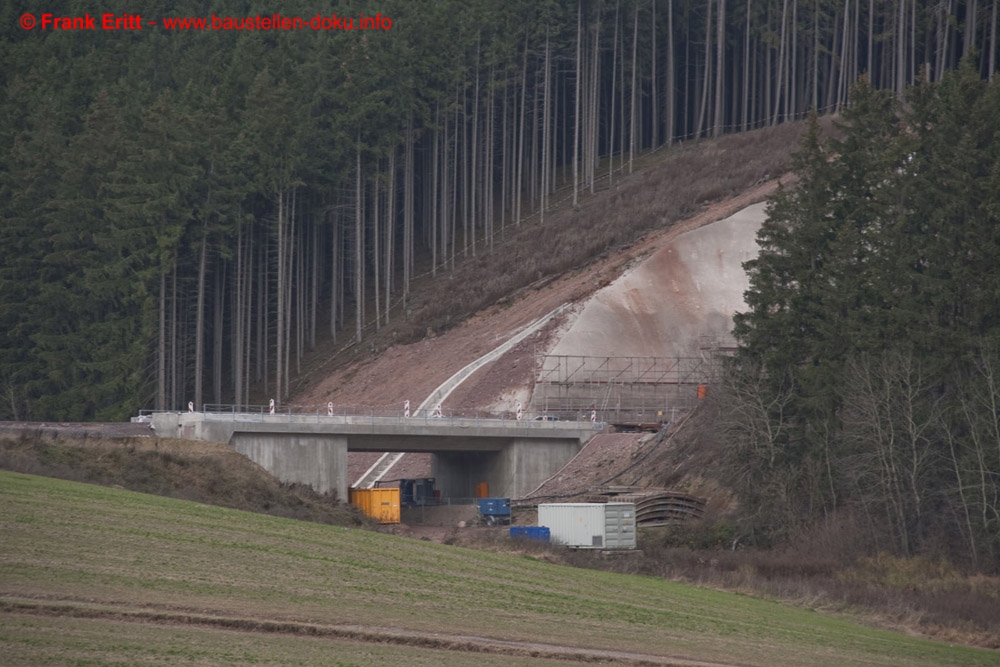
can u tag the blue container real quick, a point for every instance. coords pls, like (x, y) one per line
(494, 506)
(540, 533)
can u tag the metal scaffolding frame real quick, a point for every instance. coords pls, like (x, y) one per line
(626, 388)
(582, 370)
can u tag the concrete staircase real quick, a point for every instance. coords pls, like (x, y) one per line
(378, 470)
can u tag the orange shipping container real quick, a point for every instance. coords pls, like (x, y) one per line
(482, 490)
(380, 504)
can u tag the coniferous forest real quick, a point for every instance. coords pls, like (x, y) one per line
(866, 389)
(185, 213)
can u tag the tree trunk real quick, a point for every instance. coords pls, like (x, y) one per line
(519, 180)
(576, 102)
(161, 345)
(504, 152)
(546, 95)
(432, 222)
(720, 53)
(444, 209)
(488, 166)
(901, 49)
(390, 226)
(335, 282)
(744, 125)
(594, 107)
(289, 304)
(635, 53)
(791, 101)
(282, 306)
(669, 126)
(843, 84)
(815, 57)
(871, 41)
(654, 99)
(199, 328)
(968, 43)
(621, 101)
(236, 317)
(408, 178)
(262, 306)
(993, 42)
(217, 340)
(779, 82)
(376, 231)
(614, 75)
(359, 249)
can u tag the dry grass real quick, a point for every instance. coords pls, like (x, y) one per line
(207, 473)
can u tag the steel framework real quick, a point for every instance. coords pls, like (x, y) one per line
(628, 389)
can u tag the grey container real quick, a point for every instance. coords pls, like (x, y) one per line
(590, 525)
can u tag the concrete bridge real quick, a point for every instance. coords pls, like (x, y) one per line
(512, 456)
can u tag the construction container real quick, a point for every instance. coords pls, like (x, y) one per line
(417, 492)
(540, 533)
(494, 510)
(380, 504)
(590, 525)
(482, 490)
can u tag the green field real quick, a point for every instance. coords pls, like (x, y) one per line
(91, 575)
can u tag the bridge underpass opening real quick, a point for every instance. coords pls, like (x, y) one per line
(513, 472)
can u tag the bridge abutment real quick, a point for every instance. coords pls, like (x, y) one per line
(527, 462)
(317, 460)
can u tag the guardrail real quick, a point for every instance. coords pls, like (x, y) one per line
(347, 415)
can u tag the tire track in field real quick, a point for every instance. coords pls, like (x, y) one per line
(343, 632)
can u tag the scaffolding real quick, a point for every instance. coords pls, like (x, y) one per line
(623, 389)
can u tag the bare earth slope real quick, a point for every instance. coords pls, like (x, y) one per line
(689, 287)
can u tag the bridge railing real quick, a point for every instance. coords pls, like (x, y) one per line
(383, 415)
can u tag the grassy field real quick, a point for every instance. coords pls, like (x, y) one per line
(91, 575)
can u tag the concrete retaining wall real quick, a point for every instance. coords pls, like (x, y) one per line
(319, 461)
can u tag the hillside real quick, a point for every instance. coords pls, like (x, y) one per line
(271, 192)
(478, 305)
(642, 218)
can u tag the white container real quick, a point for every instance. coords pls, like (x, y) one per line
(590, 525)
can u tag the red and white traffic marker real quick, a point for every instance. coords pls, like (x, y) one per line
(270, 406)
(593, 416)
(190, 406)
(437, 410)
(520, 412)
(329, 408)
(406, 409)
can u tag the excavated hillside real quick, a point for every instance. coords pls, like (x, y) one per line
(645, 266)
(653, 298)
